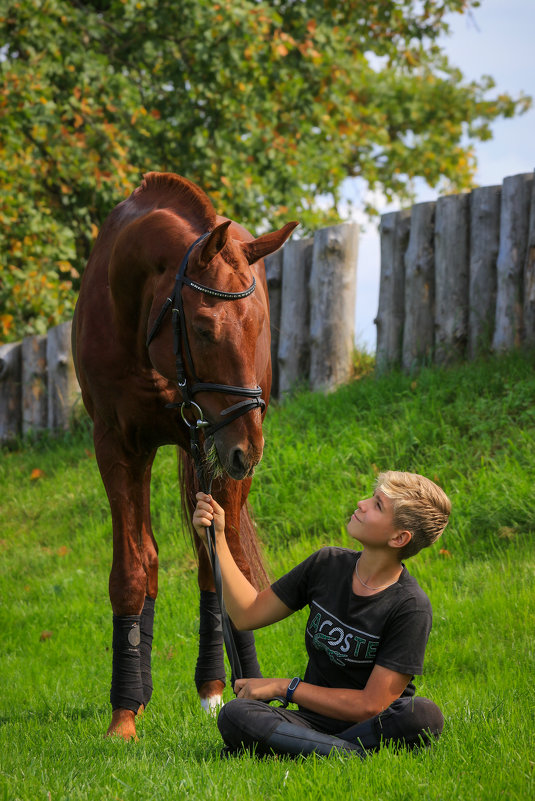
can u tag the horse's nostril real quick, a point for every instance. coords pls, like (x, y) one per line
(238, 460)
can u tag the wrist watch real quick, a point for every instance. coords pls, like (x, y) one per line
(292, 688)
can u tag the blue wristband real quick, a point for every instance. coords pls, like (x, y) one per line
(292, 688)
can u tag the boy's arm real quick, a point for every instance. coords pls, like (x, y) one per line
(382, 689)
(247, 608)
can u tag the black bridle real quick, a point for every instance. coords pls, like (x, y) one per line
(181, 343)
(188, 391)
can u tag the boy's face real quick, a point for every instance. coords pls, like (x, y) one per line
(372, 521)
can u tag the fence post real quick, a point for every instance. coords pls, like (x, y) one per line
(484, 245)
(10, 392)
(332, 305)
(62, 384)
(294, 345)
(273, 264)
(451, 277)
(516, 194)
(34, 384)
(529, 276)
(394, 230)
(419, 325)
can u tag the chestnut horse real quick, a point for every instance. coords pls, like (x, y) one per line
(124, 340)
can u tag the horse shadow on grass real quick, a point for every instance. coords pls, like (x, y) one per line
(45, 716)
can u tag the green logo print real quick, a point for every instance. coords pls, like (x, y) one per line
(340, 642)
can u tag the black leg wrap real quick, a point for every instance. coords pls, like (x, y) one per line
(245, 645)
(289, 738)
(210, 662)
(126, 684)
(147, 625)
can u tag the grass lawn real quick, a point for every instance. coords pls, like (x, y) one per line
(472, 428)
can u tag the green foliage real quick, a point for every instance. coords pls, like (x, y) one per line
(269, 106)
(474, 426)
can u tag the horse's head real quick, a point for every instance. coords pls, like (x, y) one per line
(223, 340)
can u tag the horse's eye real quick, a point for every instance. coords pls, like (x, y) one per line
(206, 335)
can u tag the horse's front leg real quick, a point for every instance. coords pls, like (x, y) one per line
(150, 565)
(133, 582)
(210, 668)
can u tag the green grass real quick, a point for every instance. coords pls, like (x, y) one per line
(472, 428)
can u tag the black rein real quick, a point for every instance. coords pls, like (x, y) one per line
(252, 400)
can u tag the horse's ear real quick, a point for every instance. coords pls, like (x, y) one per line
(214, 243)
(268, 243)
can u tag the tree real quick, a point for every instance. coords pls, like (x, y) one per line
(269, 106)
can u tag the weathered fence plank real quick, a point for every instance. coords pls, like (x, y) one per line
(10, 392)
(451, 278)
(484, 245)
(273, 264)
(419, 306)
(62, 384)
(529, 276)
(394, 229)
(332, 305)
(516, 195)
(294, 344)
(34, 384)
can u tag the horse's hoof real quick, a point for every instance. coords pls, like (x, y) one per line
(123, 724)
(211, 696)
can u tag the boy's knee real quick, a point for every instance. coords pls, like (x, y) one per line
(228, 724)
(411, 722)
(423, 722)
(429, 719)
(242, 721)
(228, 717)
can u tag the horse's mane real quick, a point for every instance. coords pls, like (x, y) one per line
(167, 190)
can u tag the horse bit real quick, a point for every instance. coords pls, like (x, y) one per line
(252, 401)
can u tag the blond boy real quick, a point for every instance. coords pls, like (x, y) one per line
(365, 637)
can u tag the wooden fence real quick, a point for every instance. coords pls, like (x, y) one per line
(458, 276)
(38, 386)
(312, 296)
(312, 292)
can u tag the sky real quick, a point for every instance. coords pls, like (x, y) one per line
(497, 40)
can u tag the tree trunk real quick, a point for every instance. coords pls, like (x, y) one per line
(529, 277)
(419, 324)
(484, 245)
(63, 388)
(332, 306)
(34, 384)
(273, 264)
(395, 228)
(10, 392)
(294, 345)
(451, 278)
(516, 193)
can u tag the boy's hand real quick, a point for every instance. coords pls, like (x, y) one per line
(206, 512)
(261, 689)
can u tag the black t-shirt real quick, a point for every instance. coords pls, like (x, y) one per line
(347, 634)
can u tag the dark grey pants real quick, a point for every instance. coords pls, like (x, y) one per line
(407, 722)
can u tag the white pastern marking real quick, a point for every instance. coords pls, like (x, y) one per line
(212, 704)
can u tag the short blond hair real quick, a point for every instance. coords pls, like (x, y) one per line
(420, 506)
